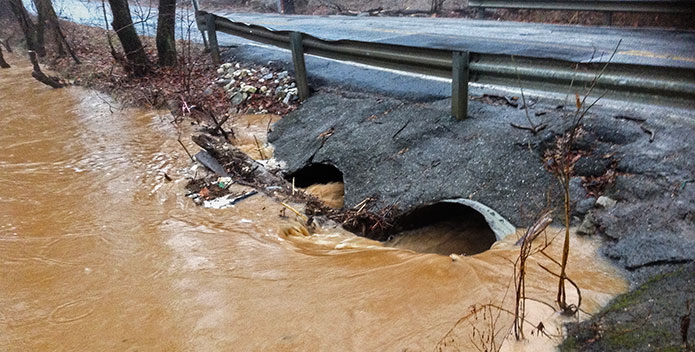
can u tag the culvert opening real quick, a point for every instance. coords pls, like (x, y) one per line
(443, 228)
(323, 181)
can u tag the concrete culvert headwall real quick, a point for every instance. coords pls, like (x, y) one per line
(457, 226)
(324, 181)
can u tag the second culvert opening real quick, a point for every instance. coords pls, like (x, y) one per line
(323, 181)
(443, 228)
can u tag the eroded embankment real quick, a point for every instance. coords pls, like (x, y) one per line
(406, 154)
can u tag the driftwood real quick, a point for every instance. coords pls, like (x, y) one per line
(236, 163)
(40, 76)
(3, 63)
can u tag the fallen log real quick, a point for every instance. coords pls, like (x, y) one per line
(40, 76)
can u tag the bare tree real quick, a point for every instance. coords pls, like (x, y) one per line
(436, 6)
(132, 46)
(27, 26)
(166, 25)
(48, 20)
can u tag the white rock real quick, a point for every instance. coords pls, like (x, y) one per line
(249, 89)
(606, 202)
(287, 99)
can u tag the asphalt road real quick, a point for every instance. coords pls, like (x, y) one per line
(574, 43)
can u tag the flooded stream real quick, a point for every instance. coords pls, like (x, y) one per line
(100, 252)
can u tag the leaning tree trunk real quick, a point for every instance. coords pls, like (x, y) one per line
(3, 63)
(27, 26)
(166, 41)
(123, 25)
(49, 20)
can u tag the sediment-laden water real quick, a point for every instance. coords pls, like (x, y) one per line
(100, 252)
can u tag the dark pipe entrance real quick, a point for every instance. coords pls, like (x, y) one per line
(315, 174)
(443, 228)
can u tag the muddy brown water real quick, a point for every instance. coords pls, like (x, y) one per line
(99, 252)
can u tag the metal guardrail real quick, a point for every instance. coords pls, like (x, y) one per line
(673, 6)
(643, 83)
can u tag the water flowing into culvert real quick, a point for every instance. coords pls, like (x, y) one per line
(449, 227)
(100, 252)
(323, 181)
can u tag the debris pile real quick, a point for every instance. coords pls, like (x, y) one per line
(257, 89)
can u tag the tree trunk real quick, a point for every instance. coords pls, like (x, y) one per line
(49, 20)
(3, 63)
(123, 25)
(166, 40)
(27, 26)
(40, 30)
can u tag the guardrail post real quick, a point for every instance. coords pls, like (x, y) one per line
(299, 65)
(212, 37)
(202, 33)
(459, 84)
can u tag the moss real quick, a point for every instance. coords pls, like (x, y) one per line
(645, 319)
(570, 344)
(632, 298)
(636, 339)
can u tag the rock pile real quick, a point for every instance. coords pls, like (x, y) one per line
(257, 89)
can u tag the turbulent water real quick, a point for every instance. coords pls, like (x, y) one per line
(99, 251)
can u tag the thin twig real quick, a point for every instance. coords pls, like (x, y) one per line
(184, 148)
(651, 133)
(523, 98)
(258, 146)
(629, 118)
(534, 129)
